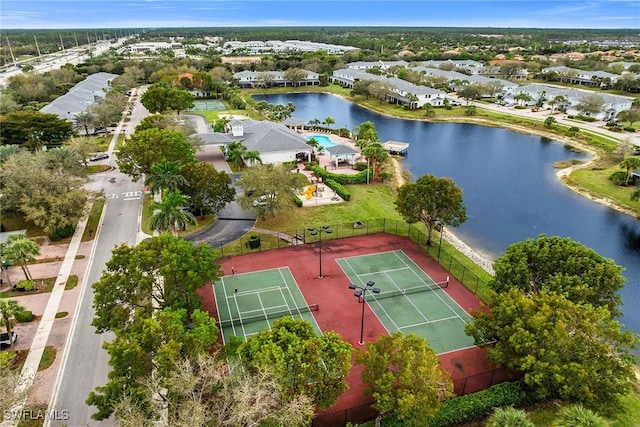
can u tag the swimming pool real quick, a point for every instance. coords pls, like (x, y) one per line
(322, 140)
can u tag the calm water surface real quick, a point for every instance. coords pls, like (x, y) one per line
(510, 188)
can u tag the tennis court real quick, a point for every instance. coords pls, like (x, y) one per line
(248, 303)
(207, 104)
(409, 300)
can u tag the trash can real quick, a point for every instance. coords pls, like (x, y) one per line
(254, 242)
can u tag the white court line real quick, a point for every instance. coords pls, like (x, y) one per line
(381, 307)
(437, 294)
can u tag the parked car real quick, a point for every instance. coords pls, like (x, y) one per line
(264, 200)
(4, 339)
(100, 156)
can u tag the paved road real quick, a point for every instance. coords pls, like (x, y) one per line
(560, 118)
(86, 364)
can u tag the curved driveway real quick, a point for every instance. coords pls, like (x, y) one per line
(232, 222)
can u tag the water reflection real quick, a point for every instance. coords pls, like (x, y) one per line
(510, 188)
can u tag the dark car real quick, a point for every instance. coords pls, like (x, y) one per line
(100, 156)
(4, 339)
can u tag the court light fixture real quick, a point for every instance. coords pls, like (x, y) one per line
(318, 232)
(361, 293)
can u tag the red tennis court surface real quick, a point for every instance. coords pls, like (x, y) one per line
(340, 312)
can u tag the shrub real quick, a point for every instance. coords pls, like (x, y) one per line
(629, 129)
(474, 406)
(339, 189)
(25, 285)
(586, 118)
(24, 316)
(62, 233)
(297, 200)
(361, 166)
(618, 178)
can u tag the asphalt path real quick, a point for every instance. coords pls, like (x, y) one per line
(85, 365)
(86, 362)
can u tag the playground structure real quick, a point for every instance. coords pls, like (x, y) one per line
(309, 191)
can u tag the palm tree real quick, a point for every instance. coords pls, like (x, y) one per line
(509, 417)
(329, 121)
(8, 310)
(558, 99)
(377, 155)
(522, 97)
(20, 250)
(577, 415)
(163, 175)
(169, 213)
(252, 157)
(85, 120)
(235, 153)
(630, 163)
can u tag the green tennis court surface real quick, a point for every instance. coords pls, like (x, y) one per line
(208, 104)
(248, 303)
(409, 300)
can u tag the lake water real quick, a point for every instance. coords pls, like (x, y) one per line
(510, 188)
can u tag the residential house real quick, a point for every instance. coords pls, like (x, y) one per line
(253, 79)
(275, 142)
(80, 97)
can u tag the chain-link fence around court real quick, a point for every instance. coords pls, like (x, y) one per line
(264, 240)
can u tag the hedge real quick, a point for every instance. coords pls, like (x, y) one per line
(477, 405)
(340, 178)
(339, 189)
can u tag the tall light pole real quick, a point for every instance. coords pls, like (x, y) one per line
(361, 294)
(319, 231)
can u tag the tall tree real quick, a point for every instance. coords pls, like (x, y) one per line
(565, 350)
(630, 164)
(631, 115)
(209, 190)
(164, 175)
(235, 151)
(20, 250)
(24, 127)
(207, 392)
(84, 121)
(404, 376)
(151, 346)
(169, 213)
(9, 309)
(304, 363)
(592, 104)
(163, 271)
(366, 134)
(151, 146)
(84, 147)
(295, 75)
(431, 200)
(560, 265)
(376, 155)
(42, 190)
(276, 182)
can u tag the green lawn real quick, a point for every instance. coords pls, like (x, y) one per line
(597, 183)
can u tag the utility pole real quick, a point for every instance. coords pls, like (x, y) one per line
(76, 37)
(61, 42)
(37, 47)
(11, 52)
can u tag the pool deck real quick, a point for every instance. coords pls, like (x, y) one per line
(327, 196)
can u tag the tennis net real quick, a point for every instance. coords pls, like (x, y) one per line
(407, 291)
(269, 315)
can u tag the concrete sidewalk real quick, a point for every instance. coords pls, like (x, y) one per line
(46, 323)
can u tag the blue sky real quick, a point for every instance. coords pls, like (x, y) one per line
(228, 13)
